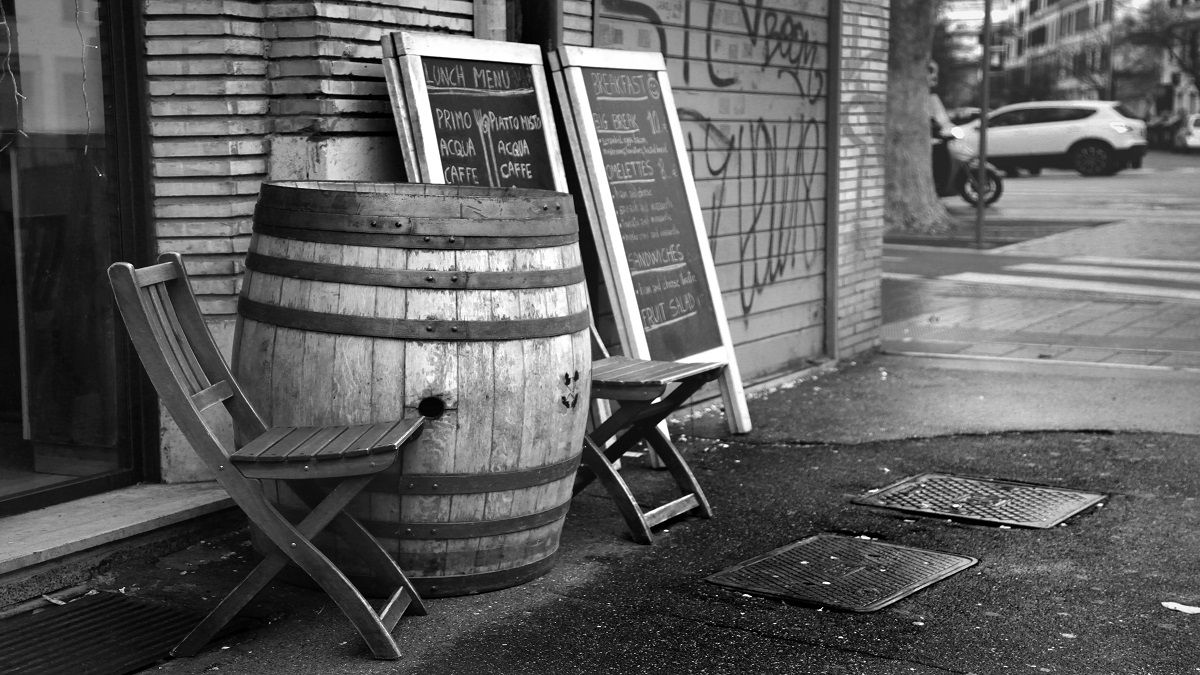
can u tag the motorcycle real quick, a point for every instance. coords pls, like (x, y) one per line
(956, 169)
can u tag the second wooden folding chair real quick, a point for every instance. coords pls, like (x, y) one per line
(643, 393)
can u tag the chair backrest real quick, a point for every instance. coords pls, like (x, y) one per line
(178, 352)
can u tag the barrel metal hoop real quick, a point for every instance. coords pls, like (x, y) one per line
(467, 224)
(421, 200)
(491, 552)
(463, 584)
(412, 329)
(476, 483)
(413, 241)
(439, 279)
(464, 530)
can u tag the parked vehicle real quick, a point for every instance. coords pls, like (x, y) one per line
(1187, 139)
(956, 169)
(1095, 138)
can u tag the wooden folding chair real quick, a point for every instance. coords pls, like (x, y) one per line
(192, 378)
(644, 392)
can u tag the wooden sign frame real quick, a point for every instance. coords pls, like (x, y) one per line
(566, 66)
(403, 55)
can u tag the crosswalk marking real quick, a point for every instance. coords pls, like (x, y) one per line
(1132, 262)
(1074, 285)
(1111, 272)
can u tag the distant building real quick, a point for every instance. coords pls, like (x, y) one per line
(1181, 92)
(1058, 49)
(1068, 49)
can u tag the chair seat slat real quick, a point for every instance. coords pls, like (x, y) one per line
(274, 445)
(364, 439)
(316, 444)
(633, 371)
(300, 445)
(348, 442)
(620, 368)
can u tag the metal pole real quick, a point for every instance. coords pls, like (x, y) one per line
(1112, 72)
(985, 86)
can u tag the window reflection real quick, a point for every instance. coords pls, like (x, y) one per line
(58, 403)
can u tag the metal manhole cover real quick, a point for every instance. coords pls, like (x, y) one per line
(843, 572)
(983, 499)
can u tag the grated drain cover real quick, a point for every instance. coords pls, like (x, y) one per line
(983, 499)
(839, 571)
(100, 634)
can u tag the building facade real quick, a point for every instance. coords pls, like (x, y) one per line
(1182, 91)
(132, 129)
(1077, 49)
(1060, 49)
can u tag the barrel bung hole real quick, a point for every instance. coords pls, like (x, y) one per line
(431, 407)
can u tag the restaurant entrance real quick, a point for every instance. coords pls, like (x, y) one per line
(65, 422)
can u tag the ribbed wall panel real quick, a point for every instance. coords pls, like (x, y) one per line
(227, 79)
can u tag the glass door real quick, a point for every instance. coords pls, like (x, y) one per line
(64, 409)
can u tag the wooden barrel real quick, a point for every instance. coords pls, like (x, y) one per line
(364, 302)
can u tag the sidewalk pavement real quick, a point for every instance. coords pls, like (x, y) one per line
(1120, 294)
(1084, 598)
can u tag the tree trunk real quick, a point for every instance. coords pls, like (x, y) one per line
(912, 202)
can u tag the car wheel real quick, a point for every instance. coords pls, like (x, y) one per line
(1093, 159)
(1012, 172)
(1035, 171)
(1135, 163)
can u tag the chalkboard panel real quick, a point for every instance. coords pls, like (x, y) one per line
(487, 124)
(628, 151)
(472, 112)
(651, 205)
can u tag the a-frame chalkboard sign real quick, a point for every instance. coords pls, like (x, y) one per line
(628, 148)
(472, 112)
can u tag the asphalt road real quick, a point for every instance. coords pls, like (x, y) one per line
(1167, 187)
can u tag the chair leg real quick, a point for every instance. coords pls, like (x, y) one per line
(229, 607)
(364, 544)
(601, 435)
(618, 490)
(679, 468)
(294, 542)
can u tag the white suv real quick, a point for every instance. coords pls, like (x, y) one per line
(1093, 137)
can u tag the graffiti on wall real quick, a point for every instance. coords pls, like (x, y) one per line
(752, 101)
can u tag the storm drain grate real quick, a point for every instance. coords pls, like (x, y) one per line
(843, 572)
(100, 634)
(983, 499)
